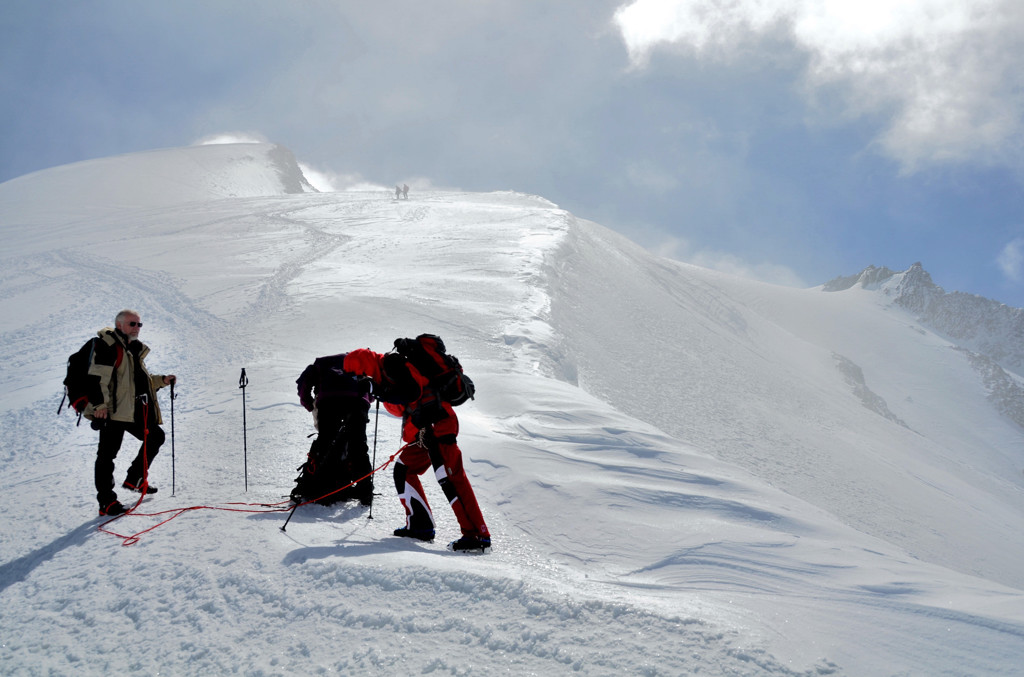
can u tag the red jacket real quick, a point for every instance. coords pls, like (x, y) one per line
(364, 362)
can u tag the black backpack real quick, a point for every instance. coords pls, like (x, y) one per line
(325, 470)
(426, 352)
(80, 387)
(330, 464)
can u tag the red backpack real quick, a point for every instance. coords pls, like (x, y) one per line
(426, 352)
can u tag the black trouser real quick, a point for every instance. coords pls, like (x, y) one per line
(111, 436)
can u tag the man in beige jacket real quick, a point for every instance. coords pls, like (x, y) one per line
(129, 405)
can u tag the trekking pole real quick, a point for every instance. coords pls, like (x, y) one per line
(243, 381)
(376, 418)
(172, 438)
(284, 526)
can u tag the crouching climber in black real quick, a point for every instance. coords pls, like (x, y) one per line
(337, 467)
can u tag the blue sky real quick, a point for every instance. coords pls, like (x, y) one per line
(788, 140)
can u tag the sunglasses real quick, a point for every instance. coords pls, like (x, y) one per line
(134, 324)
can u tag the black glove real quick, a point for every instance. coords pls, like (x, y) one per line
(364, 385)
(427, 413)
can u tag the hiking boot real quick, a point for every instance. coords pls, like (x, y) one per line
(472, 544)
(111, 509)
(419, 534)
(150, 489)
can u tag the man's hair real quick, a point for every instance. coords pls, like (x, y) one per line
(123, 314)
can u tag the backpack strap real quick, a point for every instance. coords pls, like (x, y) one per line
(110, 341)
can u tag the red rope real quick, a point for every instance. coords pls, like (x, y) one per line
(132, 539)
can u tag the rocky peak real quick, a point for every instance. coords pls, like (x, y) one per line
(973, 322)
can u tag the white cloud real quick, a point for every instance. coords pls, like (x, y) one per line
(677, 248)
(334, 182)
(944, 72)
(734, 265)
(322, 181)
(699, 24)
(672, 247)
(650, 178)
(1011, 260)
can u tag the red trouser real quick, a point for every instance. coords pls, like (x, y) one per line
(446, 459)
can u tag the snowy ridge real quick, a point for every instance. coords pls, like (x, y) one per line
(684, 471)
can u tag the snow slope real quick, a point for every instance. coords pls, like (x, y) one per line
(685, 472)
(775, 380)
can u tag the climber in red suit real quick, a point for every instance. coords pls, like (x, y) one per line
(429, 430)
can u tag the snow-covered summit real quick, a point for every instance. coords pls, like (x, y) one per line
(976, 323)
(685, 471)
(153, 179)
